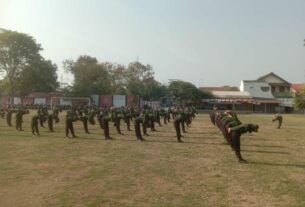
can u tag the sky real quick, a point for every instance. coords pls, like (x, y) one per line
(206, 42)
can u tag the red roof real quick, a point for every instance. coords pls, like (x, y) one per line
(297, 87)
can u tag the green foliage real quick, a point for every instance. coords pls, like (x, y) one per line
(299, 100)
(22, 65)
(40, 75)
(90, 77)
(186, 93)
(139, 78)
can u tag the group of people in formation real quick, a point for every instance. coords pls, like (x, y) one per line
(226, 121)
(143, 119)
(232, 128)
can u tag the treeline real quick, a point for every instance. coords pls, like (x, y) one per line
(24, 70)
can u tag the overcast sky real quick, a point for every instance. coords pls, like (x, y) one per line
(206, 42)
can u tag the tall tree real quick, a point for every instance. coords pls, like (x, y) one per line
(17, 50)
(118, 77)
(39, 75)
(137, 77)
(186, 93)
(90, 77)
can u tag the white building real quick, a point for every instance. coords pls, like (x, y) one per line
(270, 86)
(257, 89)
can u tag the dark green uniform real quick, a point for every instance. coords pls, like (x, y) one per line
(177, 122)
(70, 118)
(105, 122)
(279, 119)
(34, 125)
(236, 132)
(19, 118)
(9, 116)
(137, 122)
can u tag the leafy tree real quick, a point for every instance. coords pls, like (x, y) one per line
(118, 77)
(138, 76)
(186, 93)
(90, 77)
(153, 90)
(17, 50)
(299, 100)
(39, 75)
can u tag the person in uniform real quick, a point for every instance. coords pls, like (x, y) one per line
(177, 122)
(126, 117)
(137, 122)
(116, 118)
(236, 133)
(34, 125)
(43, 115)
(19, 118)
(146, 122)
(70, 118)
(9, 116)
(279, 118)
(53, 116)
(232, 129)
(105, 122)
(2, 113)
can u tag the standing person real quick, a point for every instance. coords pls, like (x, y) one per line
(279, 118)
(116, 118)
(177, 122)
(145, 124)
(50, 122)
(9, 116)
(137, 122)
(19, 118)
(84, 116)
(126, 113)
(2, 113)
(34, 125)
(53, 116)
(70, 118)
(105, 122)
(157, 116)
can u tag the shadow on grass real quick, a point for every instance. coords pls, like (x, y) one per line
(17, 135)
(262, 151)
(255, 145)
(278, 164)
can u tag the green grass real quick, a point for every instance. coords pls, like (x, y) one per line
(52, 170)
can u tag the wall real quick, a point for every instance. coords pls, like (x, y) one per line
(255, 89)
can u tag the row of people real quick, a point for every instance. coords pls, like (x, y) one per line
(232, 129)
(142, 119)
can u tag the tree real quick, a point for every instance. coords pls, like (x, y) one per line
(138, 76)
(118, 77)
(17, 50)
(299, 100)
(185, 93)
(39, 75)
(90, 77)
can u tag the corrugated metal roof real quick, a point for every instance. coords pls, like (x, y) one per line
(231, 94)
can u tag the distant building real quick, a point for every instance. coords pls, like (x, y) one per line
(211, 89)
(240, 101)
(270, 86)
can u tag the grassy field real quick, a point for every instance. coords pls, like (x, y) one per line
(52, 170)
